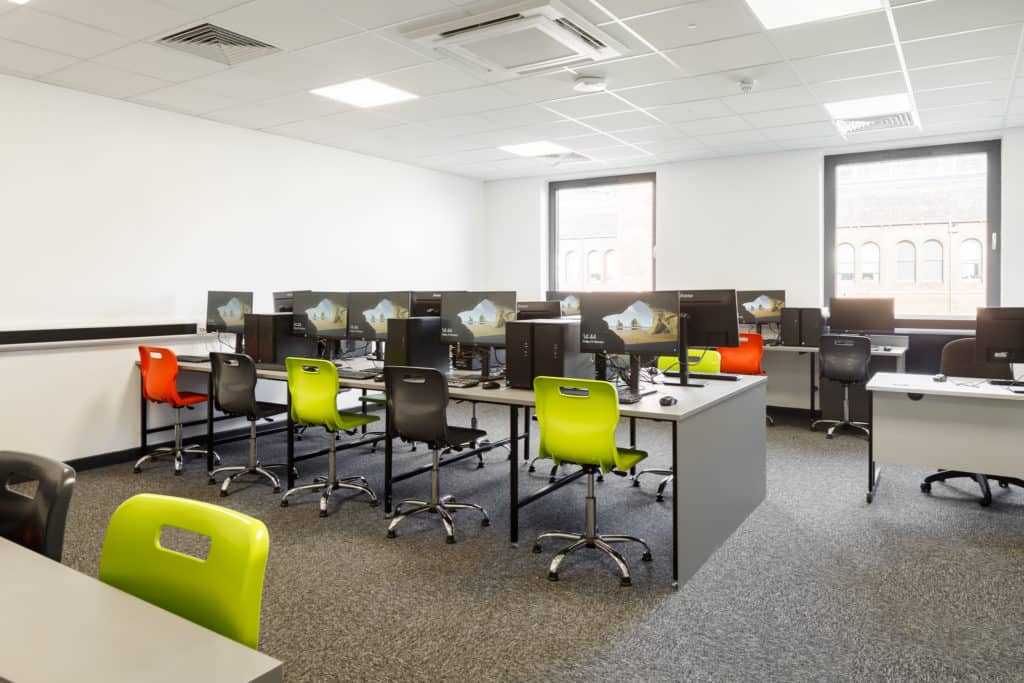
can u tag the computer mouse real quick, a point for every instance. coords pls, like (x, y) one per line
(491, 385)
(887, 348)
(378, 378)
(939, 378)
(668, 400)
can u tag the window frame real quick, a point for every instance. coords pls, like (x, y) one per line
(991, 267)
(556, 185)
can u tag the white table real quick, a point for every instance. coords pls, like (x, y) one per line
(60, 625)
(960, 424)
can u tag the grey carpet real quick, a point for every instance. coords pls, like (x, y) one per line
(816, 585)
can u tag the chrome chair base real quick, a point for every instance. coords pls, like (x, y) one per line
(442, 506)
(242, 470)
(331, 483)
(668, 474)
(840, 424)
(179, 457)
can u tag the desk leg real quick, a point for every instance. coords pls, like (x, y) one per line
(209, 423)
(675, 506)
(814, 389)
(363, 428)
(291, 445)
(526, 434)
(874, 473)
(388, 453)
(513, 477)
(143, 419)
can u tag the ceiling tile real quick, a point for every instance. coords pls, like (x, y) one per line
(136, 19)
(824, 142)
(24, 60)
(952, 16)
(202, 8)
(460, 125)
(634, 71)
(725, 55)
(947, 97)
(25, 25)
(623, 9)
(1016, 121)
(241, 86)
(431, 78)
(366, 54)
(634, 45)
(540, 88)
(738, 138)
(838, 35)
(589, 105)
(962, 73)
(584, 143)
(103, 80)
(469, 101)
(277, 111)
(335, 126)
(711, 21)
(299, 70)
(186, 99)
(690, 111)
(874, 60)
(968, 126)
(1017, 106)
(652, 134)
(800, 130)
(520, 116)
(372, 14)
(855, 88)
(787, 117)
(963, 112)
(785, 98)
(994, 42)
(726, 124)
(674, 92)
(618, 153)
(288, 25)
(610, 123)
(159, 62)
(765, 77)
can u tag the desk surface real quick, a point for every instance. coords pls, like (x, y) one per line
(61, 625)
(958, 387)
(893, 352)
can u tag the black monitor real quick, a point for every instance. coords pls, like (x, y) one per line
(476, 318)
(862, 315)
(369, 312)
(284, 302)
(710, 317)
(629, 322)
(1000, 335)
(759, 306)
(226, 311)
(426, 304)
(538, 310)
(320, 314)
(570, 301)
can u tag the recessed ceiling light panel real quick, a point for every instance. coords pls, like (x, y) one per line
(364, 93)
(536, 149)
(778, 13)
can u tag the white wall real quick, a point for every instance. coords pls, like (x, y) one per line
(1013, 218)
(515, 241)
(113, 212)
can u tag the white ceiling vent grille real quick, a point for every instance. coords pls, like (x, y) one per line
(218, 43)
(525, 38)
(872, 123)
(566, 158)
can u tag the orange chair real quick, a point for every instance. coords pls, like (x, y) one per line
(745, 359)
(160, 385)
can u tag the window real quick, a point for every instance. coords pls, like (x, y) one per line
(970, 260)
(906, 262)
(611, 222)
(845, 264)
(932, 264)
(870, 262)
(919, 225)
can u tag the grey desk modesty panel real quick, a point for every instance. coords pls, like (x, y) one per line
(59, 625)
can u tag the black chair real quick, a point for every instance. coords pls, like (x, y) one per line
(36, 521)
(958, 360)
(234, 392)
(844, 359)
(417, 400)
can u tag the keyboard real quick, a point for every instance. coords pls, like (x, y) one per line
(347, 373)
(193, 359)
(463, 382)
(1006, 382)
(629, 397)
(704, 375)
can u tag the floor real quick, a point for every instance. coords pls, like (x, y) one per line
(816, 585)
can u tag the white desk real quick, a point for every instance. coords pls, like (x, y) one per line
(60, 625)
(959, 424)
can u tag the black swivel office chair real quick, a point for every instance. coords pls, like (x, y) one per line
(417, 408)
(234, 392)
(958, 360)
(35, 521)
(844, 359)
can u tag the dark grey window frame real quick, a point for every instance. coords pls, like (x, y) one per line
(555, 186)
(992, 264)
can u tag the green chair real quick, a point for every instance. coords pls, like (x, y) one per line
(577, 420)
(708, 361)
(313, 386)
(221, 592)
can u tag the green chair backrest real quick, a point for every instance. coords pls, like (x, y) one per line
(577, 420)
(222, 592)
(313, 385)
(700, 361)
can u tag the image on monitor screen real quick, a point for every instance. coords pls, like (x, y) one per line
(476, 317)
(320, 314)
(621, 322)
(760, 306)
(570, 302)
(369, 313)
(226, 311)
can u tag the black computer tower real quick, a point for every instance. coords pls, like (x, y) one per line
(519, 353)
(536, 348)
(790, 327)
(269, 338)
(416, 342)
(811, 326)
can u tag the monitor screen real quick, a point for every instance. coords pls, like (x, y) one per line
(760, 305)
(629, 322)
(426, 304)
(320, 314)
(369, 313)
(570, 302)
(284, 302)
(226, 311)
(476, 317)
(862, 315)
(1000, 335)
(710, 317)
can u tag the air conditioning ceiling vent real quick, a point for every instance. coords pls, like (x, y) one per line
(866, 124)
(218, 44)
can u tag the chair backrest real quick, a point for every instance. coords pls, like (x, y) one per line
(744, 359)
(845, 358)
(701, 360)
(577, 420)
(313, 387)
(36, 521)
(958, 360)
(234, 383)
(417, 401)
(159, 374)
(222, 592)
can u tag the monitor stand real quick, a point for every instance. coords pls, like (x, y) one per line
(239, 343)
(684, 359)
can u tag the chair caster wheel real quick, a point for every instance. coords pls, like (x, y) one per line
(536, 548)
(284, 503)
(926, 487)
(449, 540)
(374, 503)
(984, 502)
(646, 558)
(177, 473)
(870, 497)
(391, 534)
(636, 483)
(552, 576)
(223, 494)
(137, 470)
(625, 582)
(485, 522)
(277, 489)
(211, 481)
(480, 466)
(1004, 485)
(551, 480)
(660, 498)
(323, 513)
(828, 436)
(600, 479)
(531, 468)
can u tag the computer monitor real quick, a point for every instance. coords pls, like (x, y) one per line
(226, 311)
(570, 301)
(369, 312)
(538, 310)
(709, 317)
(476, 318)
(320, 314)
(759, 306)
(862, 315)
(426, 304)
(284, 302)
(1000, 335)
(629, 322)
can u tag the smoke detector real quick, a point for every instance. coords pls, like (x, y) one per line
(590, 84)
(747, 85)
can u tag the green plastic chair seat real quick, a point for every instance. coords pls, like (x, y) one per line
(222, 592)
(313, 384)
(709, 361)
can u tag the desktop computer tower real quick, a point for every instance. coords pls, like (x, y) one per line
(269, 339)
(416, 342)
(801, 326)
(536, 348)
(789, 331)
